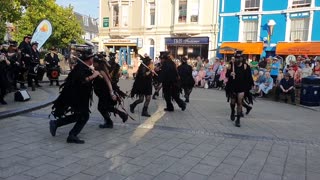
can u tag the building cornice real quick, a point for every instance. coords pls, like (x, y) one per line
(291, 10)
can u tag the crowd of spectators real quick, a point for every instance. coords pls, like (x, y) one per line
(270, 75)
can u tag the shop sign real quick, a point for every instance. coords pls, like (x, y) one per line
(300, 15)
(106, 22)
(249, 18)
(196, 40)
(120, 41)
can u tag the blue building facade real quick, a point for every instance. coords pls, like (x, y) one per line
(269, 24)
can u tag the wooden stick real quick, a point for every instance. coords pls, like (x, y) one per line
(148, 68)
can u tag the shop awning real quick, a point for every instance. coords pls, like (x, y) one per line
(247, 48)
(298, 48)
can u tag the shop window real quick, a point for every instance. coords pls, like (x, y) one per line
(152, 14)
(299, 29)
(125, 15)
(301, 3)
(115, 16)
(250, 31)
(182, 11)
(195, 11)
(252, 5)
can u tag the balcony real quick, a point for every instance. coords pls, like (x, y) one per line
(190, 29)
(120, 32)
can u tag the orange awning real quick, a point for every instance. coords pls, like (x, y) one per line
(247, 48)
(298, 48)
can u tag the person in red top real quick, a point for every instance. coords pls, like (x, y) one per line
(316, 70)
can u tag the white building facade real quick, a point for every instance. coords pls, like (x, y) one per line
(184, 27)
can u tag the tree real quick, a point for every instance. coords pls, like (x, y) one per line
(64, 23)
(11, 11)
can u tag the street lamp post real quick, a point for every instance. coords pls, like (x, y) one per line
(271, 24)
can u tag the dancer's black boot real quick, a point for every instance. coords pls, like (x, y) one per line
(232, 116)
(154, 95)
(145, 112)
(122, 115)
(132, 106)
(108, 123)
(237, 123)
(249, 108)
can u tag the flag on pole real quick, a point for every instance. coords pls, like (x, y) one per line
(42, 33)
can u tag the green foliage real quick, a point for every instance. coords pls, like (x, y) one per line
(11, 10)
(64, 23)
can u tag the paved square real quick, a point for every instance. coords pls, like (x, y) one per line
(276, 141)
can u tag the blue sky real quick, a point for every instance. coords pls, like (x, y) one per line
(86, 7)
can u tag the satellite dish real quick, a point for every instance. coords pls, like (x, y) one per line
(291, 58)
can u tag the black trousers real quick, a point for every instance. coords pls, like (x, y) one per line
(105, 108)
(291, 93)
(171, 92)
(187, 91)
(80, 119)
(31, 78)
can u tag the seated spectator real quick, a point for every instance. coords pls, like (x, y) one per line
(262, 78)
(307, 70)
(286, 87)
(280, 76)
(255, 78)
(194, 73)
(266, 86)
(209, 77)
(254, 65)
(291, 71)
(297, 76)
(223, 78)
(206, 65)
(275, 67)
(200, 79)
(217, 73)
(263, 64)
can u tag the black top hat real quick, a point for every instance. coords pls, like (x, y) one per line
(99, 58)
(27, 36)
(112, 56)
(85, 54)
(34, 43)
(145, 59)
(102, 53)
(164, 54)
(13, 43)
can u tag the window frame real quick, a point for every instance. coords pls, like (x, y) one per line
(152, 7)
(299, 5)
(252, 8)
(304, 30)
(179, 11)
(113, 16)
(192, 15)
(246, 32)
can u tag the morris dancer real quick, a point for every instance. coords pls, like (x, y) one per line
(107, 98)
(75, 98)
(142, 86)
(237, 88)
